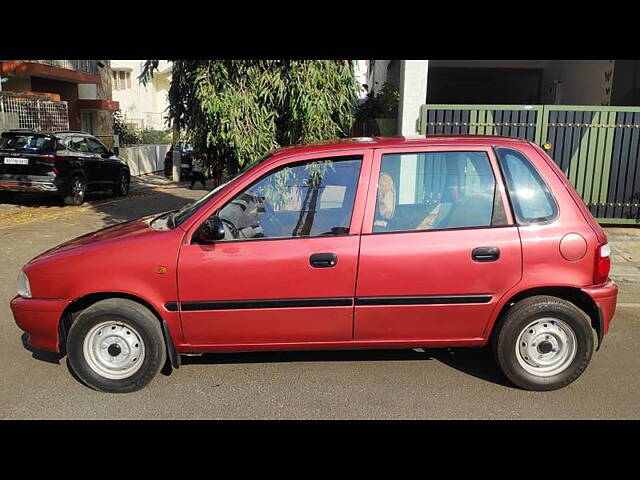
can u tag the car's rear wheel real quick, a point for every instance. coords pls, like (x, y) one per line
(116, 345)
(76, 191)
(543, 343)
(121, 187)
(168, 168)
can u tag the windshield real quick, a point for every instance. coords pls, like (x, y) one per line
(190, 208)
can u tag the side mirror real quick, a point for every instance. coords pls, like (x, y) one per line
(107, 154)
(210, 231)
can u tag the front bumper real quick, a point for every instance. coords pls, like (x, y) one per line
(605, 296)
(28, 183)
(39, 318)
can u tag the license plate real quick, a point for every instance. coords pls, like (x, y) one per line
(185, 165)
(16, 161)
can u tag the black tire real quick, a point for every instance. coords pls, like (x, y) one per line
(168, 169)
(130, 315)
(76, 190)
(121, 187)
(522, 314)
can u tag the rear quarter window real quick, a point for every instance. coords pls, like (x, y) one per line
(35, 143)
(530, 196)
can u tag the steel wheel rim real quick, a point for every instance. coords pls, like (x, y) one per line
(77, 189)
(124, 183)
(114, 350)
(546, 347)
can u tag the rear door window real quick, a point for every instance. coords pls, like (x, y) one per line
(436, 191)
(96, 147)
(530, 196)
(78, 144)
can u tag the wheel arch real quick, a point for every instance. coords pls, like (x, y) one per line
(77, 306)
(571, 294)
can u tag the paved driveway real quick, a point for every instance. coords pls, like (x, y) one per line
(359, 384)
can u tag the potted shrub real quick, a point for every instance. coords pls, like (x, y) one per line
(381, 108)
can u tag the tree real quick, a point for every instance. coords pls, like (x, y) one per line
(238, 110)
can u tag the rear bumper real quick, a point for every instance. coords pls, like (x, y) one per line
(605, 296)
(28, 183)
(39, 318)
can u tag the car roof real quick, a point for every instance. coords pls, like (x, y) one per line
(45, 132)
(355, 143)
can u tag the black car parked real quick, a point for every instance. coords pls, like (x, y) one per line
(65, 163)
(186, 160)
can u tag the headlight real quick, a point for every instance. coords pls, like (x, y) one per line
(24, 290)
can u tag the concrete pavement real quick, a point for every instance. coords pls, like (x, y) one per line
(625, 254)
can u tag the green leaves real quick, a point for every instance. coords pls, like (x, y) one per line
(238, 110)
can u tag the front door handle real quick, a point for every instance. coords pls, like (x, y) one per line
(323, 260)
(485, 254)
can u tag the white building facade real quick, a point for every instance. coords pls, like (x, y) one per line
(141, 106)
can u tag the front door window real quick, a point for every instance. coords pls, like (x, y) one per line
(301, 200)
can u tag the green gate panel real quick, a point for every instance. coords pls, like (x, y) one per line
(598, 148)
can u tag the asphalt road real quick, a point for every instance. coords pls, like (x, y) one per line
(389, 384)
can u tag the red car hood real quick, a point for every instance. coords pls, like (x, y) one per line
(102, 236)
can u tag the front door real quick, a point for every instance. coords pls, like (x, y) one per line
(439, 246)
(286, 270)
(109, 166)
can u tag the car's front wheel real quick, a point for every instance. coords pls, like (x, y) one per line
(543, 343)
(121, 187)
(116, 345)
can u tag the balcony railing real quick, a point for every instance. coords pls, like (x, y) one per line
(86, 66)
(33, 112)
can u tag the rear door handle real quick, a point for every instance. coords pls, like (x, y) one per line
(485, 254)
(323, 260)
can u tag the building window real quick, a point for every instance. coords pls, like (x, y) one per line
(121, 80)
(86, 122)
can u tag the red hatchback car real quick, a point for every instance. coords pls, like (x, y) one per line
(361, 243)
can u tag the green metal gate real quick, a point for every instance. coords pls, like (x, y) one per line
(598, 148)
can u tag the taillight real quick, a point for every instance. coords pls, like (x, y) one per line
(51, 159)
(603, 264)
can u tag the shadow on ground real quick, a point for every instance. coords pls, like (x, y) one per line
(478, 363)
(42, 355)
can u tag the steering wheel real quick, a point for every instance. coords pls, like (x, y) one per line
(235, 233)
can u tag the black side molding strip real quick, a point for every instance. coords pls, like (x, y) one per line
(325, 302)
(247, 304)
(430, 300)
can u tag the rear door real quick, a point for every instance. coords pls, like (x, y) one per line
(439, 246)
(89, 161)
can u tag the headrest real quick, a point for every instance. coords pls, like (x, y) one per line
(386, 196)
